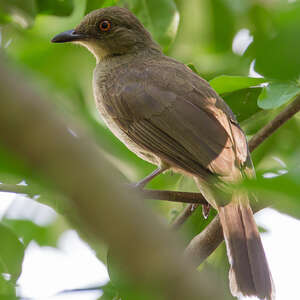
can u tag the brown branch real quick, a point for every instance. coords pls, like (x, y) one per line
(174, 196)
(39, 136)
(277, 122)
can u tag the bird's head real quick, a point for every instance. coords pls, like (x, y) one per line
(109, 31)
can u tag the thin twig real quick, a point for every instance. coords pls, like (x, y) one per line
(181, 218)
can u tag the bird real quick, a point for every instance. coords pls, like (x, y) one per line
(171, 117)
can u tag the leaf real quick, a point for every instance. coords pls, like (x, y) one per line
(7, 289)
(276, 47)
(55, 7)
(11, 253)
(277, 94)
(193, 68)
(223, 24)
(162, 23)
(243, 102)
(282, 191)
(96, 4)
(226, 83)
(28, 231)
(109, 292)
(20, 11)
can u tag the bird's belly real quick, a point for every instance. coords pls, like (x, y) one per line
(122, 136)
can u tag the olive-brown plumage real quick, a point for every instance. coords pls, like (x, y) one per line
(171, 117)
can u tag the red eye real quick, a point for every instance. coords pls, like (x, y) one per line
(105, 25)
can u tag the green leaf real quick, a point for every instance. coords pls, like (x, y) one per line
(162, 23)
(28, 231)
(109, 292)
(11, 253)
(223, 24)
(55, 7)
(276, 47)
(193, 68)
(7, 289)
(225, 83)
(96, 4)
(20, 11)
(277, 94)
(243, 102)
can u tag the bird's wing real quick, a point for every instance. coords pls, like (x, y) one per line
(180, 119)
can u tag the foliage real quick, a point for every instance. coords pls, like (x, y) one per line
(203, 39)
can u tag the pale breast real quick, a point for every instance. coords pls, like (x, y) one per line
(115, 129)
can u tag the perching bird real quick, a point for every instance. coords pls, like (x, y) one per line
(170, 117)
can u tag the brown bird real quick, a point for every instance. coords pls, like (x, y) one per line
(170, 117)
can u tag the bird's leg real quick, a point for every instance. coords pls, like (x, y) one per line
(205, 210)
(141, 184)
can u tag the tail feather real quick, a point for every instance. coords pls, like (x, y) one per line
(249, 274)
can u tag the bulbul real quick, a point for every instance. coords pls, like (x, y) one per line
(171, 117)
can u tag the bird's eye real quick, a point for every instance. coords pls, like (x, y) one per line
(105, 25)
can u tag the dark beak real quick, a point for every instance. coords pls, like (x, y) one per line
(68, 36)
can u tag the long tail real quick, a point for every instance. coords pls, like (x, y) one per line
(249, 274)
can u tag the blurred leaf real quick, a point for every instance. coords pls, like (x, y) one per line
(55, 7)
(11, 253)
(226, 84)
(162, 23)
(223, 24)
(21, 12)
(277, 94)
(7, 289)
(28, 231)
(243, 102)
(96, 4)
(109, 292)
(276, 47)
(256, 121)
(123, 283)
(12, 169)
(283, 191)
(193, 68)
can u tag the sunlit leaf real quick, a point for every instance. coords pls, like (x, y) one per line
(11, 253)
(225, 83)
(277, 94)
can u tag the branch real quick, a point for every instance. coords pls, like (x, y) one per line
(277, 122)
(174, 196)
(39, 135)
